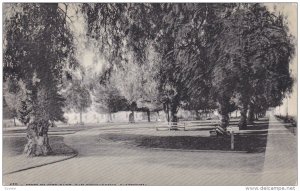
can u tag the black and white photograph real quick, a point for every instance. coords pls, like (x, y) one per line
(150, 94)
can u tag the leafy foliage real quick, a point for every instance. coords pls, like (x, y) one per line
(252, 56)
(108, 99)
(78, 97)
(13, 93)
(137, 83)
(36, 46)
(158, 55)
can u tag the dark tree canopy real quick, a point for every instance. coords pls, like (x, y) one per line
(37, 46)
(108, 99)
(222, 52)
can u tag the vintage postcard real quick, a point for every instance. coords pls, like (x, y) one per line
(150, 94)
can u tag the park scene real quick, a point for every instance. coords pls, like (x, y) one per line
(149, 94)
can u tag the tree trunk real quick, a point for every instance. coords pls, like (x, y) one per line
(198, 117)
(166, 110)
(15, 122)
(173, 115)
(243, 119)
(251, 116)
(148, 114)
(173, 108)
(131, 118)
(109, 117)
(224, 117)
(80, 114)
(37, 139)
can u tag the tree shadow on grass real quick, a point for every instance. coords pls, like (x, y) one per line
(247, 143)
(13, 146)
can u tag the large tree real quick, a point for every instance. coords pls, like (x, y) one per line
(206, 50)
(138, 83)
(176, 31)
(78, 98)
(254, 50)
(37, 46)
(122, 33)
(274, 48)
(184, 34)
(108, 99)
(218, 73)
